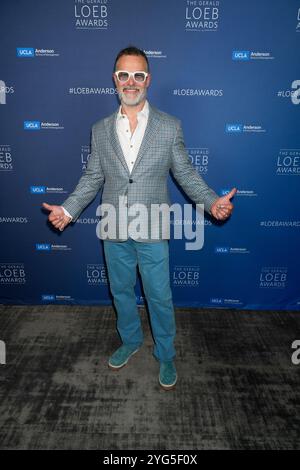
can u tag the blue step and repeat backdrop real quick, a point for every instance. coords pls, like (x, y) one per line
(229, 69)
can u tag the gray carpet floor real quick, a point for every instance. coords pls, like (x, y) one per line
(237, 386)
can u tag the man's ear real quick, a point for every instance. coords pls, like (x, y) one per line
(148, 80)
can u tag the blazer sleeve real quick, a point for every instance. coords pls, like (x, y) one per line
(89, 184)
(187, 176)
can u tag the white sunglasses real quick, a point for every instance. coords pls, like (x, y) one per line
(123, 76)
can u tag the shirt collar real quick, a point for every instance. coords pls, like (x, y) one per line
(143, 113)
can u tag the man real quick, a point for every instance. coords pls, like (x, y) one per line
(132, 153)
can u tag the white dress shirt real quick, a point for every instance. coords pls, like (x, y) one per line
(130, 143)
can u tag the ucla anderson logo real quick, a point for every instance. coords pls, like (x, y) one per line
(241, 55)
(37, 189)
(32, 125)
(233, 128)
(216, 300)
(40, 125)
(56, 298)
(25, 52)
(221, 250)
(43, 246)
(48, 297)
(252, 55)
(36, 52)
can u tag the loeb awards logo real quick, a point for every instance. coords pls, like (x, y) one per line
(288, 162)
(273, 277)
(91, 14)
(96, 274)
(12, 274)
(186, 276)
(6, 159)
(85, 155)
(202, 15)
(199, 158)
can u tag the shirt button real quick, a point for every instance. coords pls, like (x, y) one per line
(131, 146)
(130, 181)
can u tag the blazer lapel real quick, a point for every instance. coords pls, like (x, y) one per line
(150, 134)
(114, 140)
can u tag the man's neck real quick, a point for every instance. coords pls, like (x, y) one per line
(131, 111)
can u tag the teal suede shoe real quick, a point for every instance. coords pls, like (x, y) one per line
(167, 375)
(121, 356)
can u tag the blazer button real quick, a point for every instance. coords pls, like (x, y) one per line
(130, 181)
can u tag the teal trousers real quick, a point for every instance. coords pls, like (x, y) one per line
(152, 259)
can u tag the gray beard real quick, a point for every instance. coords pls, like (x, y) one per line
(132, 102)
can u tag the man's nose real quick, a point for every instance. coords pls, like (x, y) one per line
(131, 82)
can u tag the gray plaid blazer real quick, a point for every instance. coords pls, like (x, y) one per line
(161, 150)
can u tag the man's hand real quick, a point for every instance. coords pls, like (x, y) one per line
(222, 207)
(57, 217)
